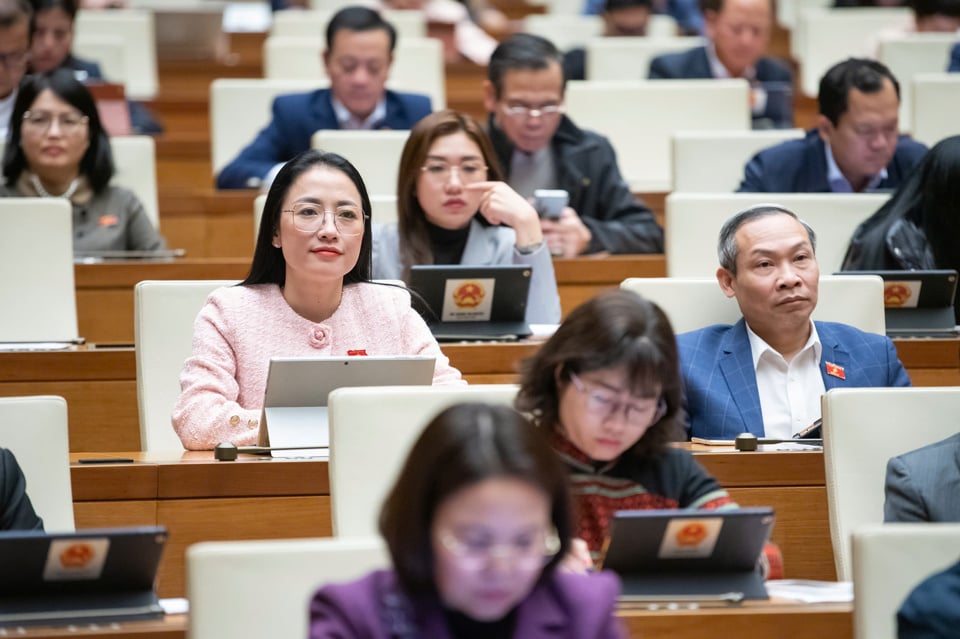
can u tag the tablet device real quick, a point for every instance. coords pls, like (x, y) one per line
(474, 302)
(294, 412)
(918, 303)
(702, 553)
(94, 575)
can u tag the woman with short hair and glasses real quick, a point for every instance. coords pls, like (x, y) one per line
(453, 207)
(476, 525)
(308, 294)
(606, 386)
(57, 147)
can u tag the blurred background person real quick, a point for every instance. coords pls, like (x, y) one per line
(621, 18)
(454, 208)
(15, 18)
(475, 525)
(686, 12)
(58, 147)
(919, 226)
(16, 511)
(51, 47)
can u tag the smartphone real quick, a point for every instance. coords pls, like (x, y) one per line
(550, 203)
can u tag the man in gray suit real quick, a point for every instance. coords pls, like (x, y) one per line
(924, 484)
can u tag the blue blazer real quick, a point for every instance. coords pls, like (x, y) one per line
(932, 610)
(954, 58)
(924, 484)
(296, 117)
(694, 65)
(720, 382)
(800, 166)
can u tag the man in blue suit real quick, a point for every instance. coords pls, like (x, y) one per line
(738, 32)
(856, 146)
(954, 58)
(924, 484)
(766, 373)
(357, 60)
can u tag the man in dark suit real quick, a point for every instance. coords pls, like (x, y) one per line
(924, 484)
(357, 60)
(954, 58)
(932, 609)
(541, 148)
(15, 19)
(766, 373)
(856, 146)
(621, 18)
(738, 32)
(16, 511)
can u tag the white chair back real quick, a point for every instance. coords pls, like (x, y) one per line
(274, 579)
(36, 252)
(935, 100)
(330, 5)
(35, 429)
(108, 51)
(862, 429)
(655, 110)
(693, 222)
(564, 30)
(135, 159)
(826, 36)
(240, 108)
(788, 11)
(384, 210)
(889, 561)
(629, 58)
(135, 28)
(910, 55)
(313, 23)
(691, 303)
(713, 161)
(376, 154)
(361, 475)
(417, 65)
(164, 313)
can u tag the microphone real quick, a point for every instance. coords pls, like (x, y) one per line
(748, 442)
(226, 451)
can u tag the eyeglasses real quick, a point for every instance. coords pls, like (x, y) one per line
(522, 111)
(14, 59)
(310, 218)
(605, 403)
(441, 172)
(41, 121)
(526, 552)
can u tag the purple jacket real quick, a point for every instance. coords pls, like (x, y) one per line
(563, 606)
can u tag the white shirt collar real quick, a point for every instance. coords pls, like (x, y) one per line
(348, 121)
(758, 346)
(839, 183)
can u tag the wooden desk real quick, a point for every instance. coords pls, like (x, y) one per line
(757, 619)
(100, 384)
(105, 289)
(199, 499)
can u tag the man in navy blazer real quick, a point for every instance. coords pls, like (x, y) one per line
(766, 373)
(954, 58)
(357, 60)
(924, 484)
(855, 147)
(932, 609)
(738, 32)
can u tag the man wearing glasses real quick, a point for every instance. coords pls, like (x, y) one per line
(357, 60)
(541, 148)
(14, 51)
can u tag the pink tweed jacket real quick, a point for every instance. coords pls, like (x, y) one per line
(241, 327)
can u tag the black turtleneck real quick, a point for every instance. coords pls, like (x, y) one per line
(464, 627)
(447, 245)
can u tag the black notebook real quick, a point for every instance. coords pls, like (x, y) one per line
(94, 575)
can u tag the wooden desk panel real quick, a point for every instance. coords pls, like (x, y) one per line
(762, 620)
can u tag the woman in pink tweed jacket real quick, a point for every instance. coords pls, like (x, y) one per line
(308, 294)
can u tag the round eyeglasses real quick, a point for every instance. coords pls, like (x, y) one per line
(310, 218)
(526, 552)
(522, 111)
(441, 172)
(42, 121)
(604, 403)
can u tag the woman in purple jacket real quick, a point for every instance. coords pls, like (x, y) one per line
(476, 525)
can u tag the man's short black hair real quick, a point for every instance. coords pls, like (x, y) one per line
(358, 19)
(853, 73)
(521, 51)
(927, 8)
(613, 5)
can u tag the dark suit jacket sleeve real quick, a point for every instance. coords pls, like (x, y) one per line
(620, 223)
(256, 160)
(753, 176)
(16, 511)
(903, 500)
(955, 58)
(658, 69)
